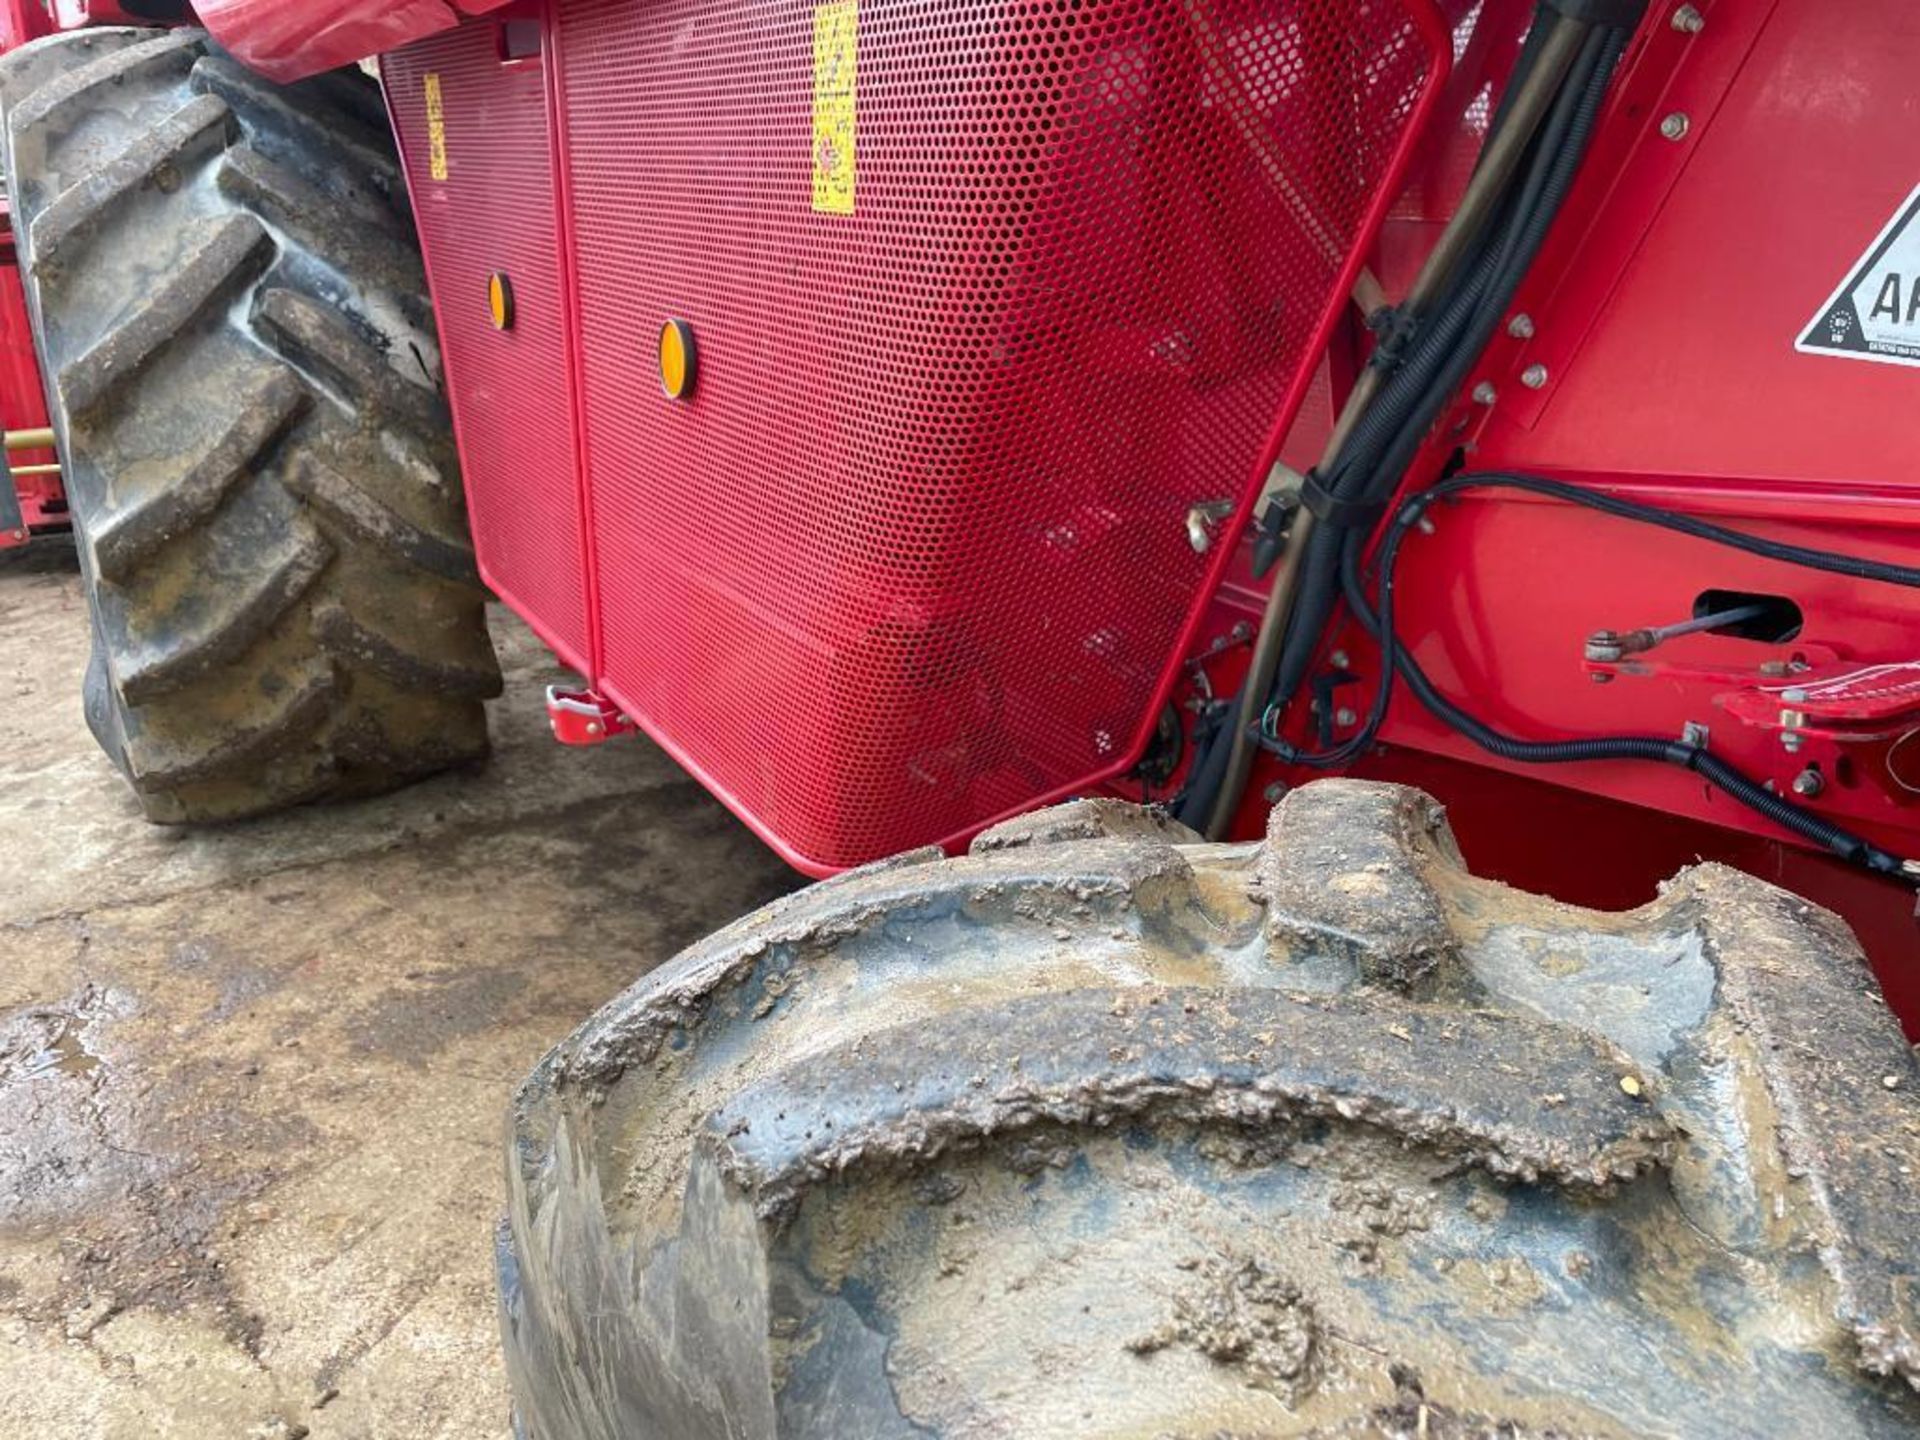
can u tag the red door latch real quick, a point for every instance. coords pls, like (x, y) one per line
(583, 717)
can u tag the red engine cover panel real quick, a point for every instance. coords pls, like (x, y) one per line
(1666, 310)
(496, 212)
(914, 551)
(292, 39)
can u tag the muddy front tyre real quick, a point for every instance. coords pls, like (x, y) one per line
(233, 324)
(1102, 1130)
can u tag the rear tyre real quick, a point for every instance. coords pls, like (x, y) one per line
(233, 325)
(1103, 1130)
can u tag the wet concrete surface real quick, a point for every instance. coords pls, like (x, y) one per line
(252, 1082)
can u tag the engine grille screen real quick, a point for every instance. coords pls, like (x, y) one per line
(984, 296)
(485, 204)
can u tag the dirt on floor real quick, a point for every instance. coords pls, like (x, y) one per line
(252, 1081)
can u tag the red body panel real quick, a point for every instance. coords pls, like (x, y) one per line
(38, 501)
(41, 498)
(512, 391)
(21, 21)
(914, 551)
(292, 39)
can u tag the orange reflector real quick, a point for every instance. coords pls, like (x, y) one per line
(500, 300)
(678, 359)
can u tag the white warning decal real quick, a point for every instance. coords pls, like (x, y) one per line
(1875, 314)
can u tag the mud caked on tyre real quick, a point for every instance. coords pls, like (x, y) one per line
(234, 328)
(1103, 1130)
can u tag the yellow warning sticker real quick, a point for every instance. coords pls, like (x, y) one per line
(836, 53)
(436, 129)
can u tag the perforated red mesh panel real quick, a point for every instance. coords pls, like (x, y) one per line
(496, 211)
(915, 553)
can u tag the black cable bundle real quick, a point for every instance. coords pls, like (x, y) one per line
(1386, 438)
(1377, 619)
(1426, 373)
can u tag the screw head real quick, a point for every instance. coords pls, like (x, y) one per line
(1790, 740)
(1534, 377)
(1794, 695)
(1688, 20)
(1676, 125)
(1520, 327)
(1809, 782)
(1484, 393)
(1345, 717)
(1274, 792)
(1338, 659)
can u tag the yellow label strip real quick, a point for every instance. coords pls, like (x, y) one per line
(836, 56)
(436, 129)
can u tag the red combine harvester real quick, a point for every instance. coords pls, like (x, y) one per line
(1009, 452)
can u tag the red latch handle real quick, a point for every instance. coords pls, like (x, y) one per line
(582, 717)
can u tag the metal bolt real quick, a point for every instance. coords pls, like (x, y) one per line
(1339, 659)
(1790, 741)
(1345, 717)
(1688, 20)
(1809, 782)
(1676, 125)
(1520, 327)
(19, 534)
(1534, 377)
(1484, 393)
(593, 727)
(1274, 792)
(1794, 696)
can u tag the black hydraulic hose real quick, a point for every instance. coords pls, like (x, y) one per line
(1208, 773)
(1319, 580)
(1595, 67)
(1564, 140)
(1856, 567)
(1715, 771)
(1523, 64)
(1413, 386)
(1795, 819)
(1385, 438)
(1400, 393)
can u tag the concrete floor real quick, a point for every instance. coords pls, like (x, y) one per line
(252, 1081)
